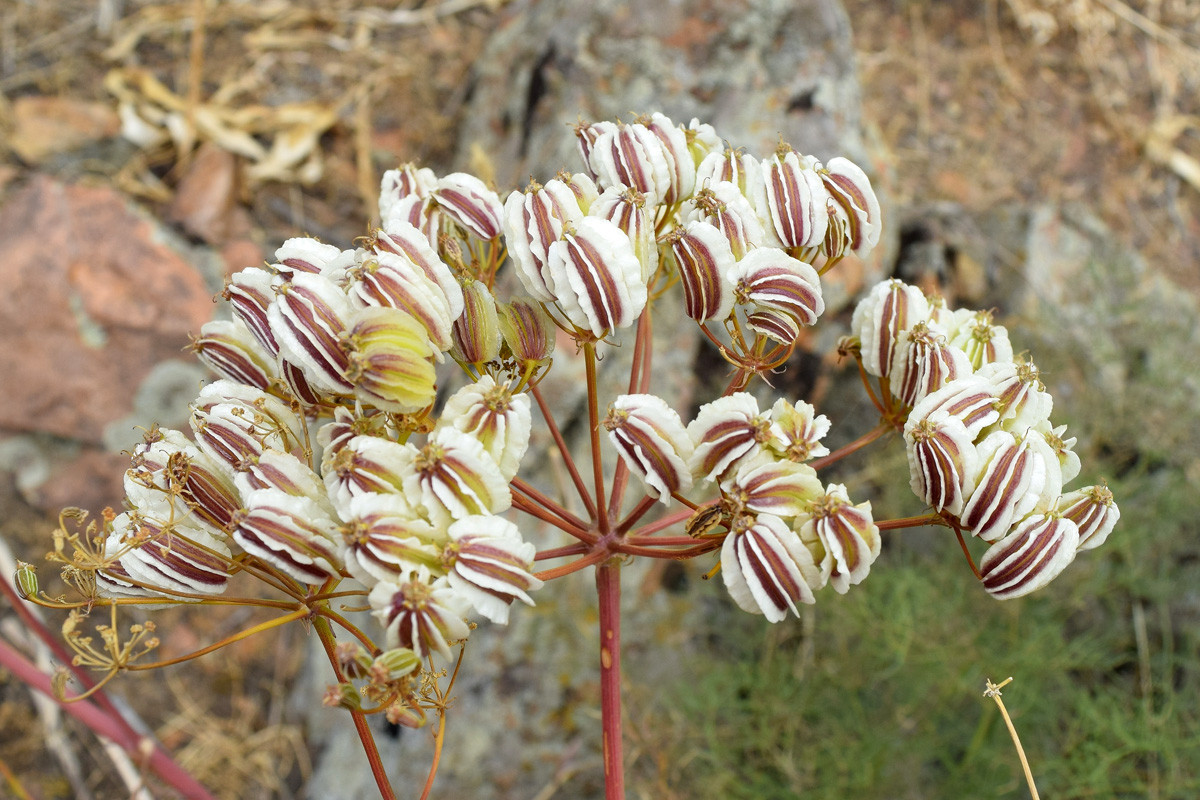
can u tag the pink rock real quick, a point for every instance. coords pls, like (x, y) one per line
(93, 300)
(91, 480)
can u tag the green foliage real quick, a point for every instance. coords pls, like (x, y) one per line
(883, 699)
(879, 692)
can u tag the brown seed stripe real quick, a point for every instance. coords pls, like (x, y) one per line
(317, 330)
(600, 287)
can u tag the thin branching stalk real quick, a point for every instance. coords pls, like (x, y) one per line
(594, 557)
(561, 552)
(589, 350)
(550, 505)
(439, 740)
(660, 541)
(350, 628)
(643, 506)
(648, 350)
(858, 444)
(523, 504)
(669, 520)
(299, 613)
(363, 728)
(966, 552)
(866, 382)
(103, 602)
(910, 522)
(316, 598)
(561, 443)
(534, 509)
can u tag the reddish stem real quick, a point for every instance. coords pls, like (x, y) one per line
(684, 501)
(638, 512)
(548, 504)
(862, 373)
(639, 376)
(668, 521)
(105, 724)
(360, 722)
(566, 454)
(641, 346)
(532, 510)
(681, 554)
(910, 522)
(608, 588)
(594, 557)
(620, 481)
(648, 348)
(853, 447)
(660, 541)
(963, 544)
(561, 552)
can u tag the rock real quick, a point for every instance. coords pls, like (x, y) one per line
(1115, 339)
(95, 299)
(44, 126)
(755, 71)
(91, 481)
(206, 198)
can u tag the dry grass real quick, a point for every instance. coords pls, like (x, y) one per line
(1089, 101)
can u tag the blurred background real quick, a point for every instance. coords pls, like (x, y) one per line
(1039, 157)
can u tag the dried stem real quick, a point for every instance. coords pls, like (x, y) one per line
(299, 613)
(993, 691)
(111, 726)
(33, 623)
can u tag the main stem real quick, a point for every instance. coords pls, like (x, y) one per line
(608, 587)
